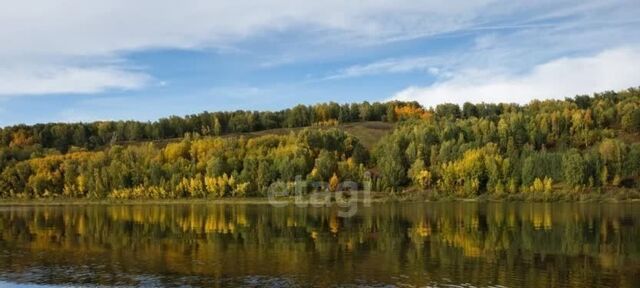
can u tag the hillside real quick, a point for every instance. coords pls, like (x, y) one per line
(368, 132)
(572, 149)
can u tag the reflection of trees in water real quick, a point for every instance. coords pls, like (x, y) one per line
(537, 244)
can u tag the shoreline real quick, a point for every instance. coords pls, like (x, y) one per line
(287, 201)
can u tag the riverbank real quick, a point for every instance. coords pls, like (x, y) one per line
(376, 197)
(318, 199)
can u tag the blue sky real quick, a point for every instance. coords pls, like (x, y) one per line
(96, 60)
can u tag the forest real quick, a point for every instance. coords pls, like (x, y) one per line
(545, 150)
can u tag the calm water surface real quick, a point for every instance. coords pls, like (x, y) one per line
(388, 245)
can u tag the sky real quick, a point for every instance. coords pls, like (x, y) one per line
(74, 60)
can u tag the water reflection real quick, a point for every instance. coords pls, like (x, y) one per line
(516, 245)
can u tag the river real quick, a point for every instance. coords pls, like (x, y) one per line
(385, 245)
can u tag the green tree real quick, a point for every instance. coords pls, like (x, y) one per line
(326, 164)
(574, 168)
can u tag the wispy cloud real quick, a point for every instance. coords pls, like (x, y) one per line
(386, 66)
(53, 34)
(511, 47)
(66, 79)
(609, 70)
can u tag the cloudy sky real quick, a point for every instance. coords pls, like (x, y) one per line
(69, 60)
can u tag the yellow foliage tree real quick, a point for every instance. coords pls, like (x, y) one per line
(334, 182)
(409, 111)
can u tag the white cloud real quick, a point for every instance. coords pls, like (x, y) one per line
(75, 27)
(58, 33)
(612, 69)
(390, 66)
(66, 79)
(78, 27)
(511, 47)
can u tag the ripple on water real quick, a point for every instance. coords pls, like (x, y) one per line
(260, 281)
(21, 285)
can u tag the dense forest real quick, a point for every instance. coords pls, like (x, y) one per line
(546, 150)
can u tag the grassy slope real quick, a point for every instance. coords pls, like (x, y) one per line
(369, 132)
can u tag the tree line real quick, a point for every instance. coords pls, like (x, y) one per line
(543, 150)
(63, 136)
